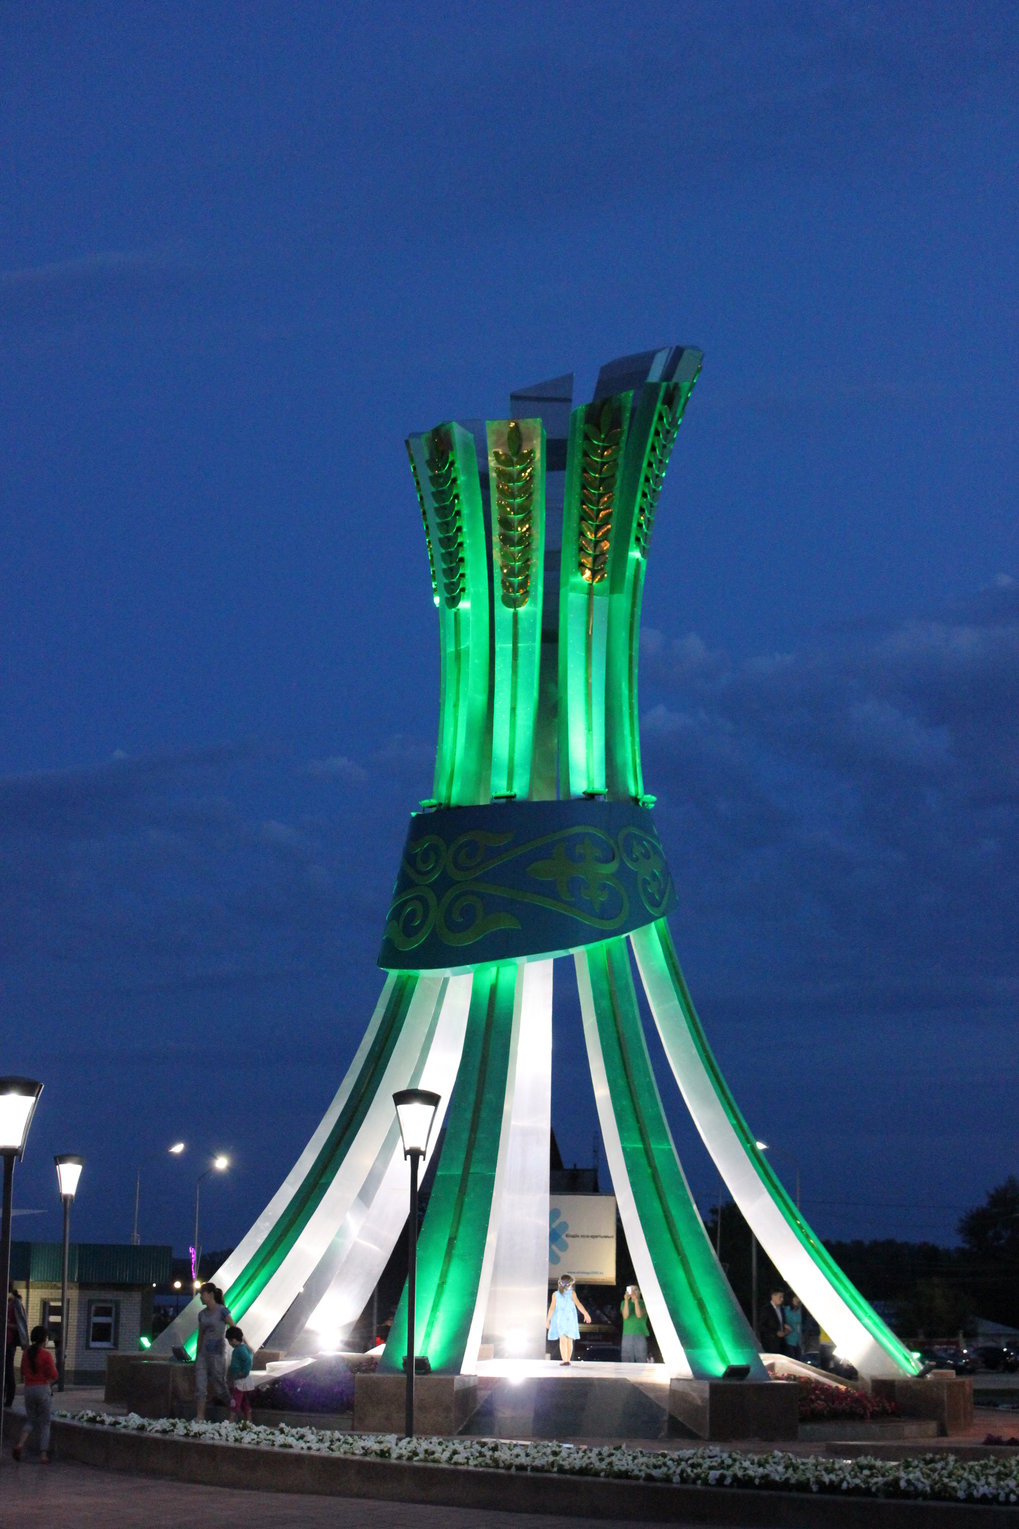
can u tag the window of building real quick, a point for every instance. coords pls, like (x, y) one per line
(102, 1324)
(50, 1316)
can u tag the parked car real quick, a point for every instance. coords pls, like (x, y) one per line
(997, 1356)
(949, 1356)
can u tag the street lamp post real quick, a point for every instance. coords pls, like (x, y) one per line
(68, 1173)
(219, 1164)
(415, 1110)
(176, 1150)
(18, 1099)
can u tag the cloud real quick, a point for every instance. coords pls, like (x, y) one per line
(169, 875)
(102, 270)
(110, 793)
(337, 767)
(846, 819)
(150, 291)
(837, 91)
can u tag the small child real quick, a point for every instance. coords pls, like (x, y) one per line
(39, 1374)
(241, 1360)
(561, 1321)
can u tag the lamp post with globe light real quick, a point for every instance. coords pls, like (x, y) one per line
(68, 1173)
(415, 1110)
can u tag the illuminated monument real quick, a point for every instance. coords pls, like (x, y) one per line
(538, 842)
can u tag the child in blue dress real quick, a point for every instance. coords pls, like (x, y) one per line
(561, 1321)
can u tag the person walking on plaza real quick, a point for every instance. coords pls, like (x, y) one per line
(633, 1345)
(39, 1376)
(210, 1355)
(561, 1321)
(241, 1360)
(17, 1337)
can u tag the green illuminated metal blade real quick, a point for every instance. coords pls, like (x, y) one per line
(681, 1278)
(790, 1243)
(455, 1231)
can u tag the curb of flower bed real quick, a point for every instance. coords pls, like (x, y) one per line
(915, 1431)
(557, 1481)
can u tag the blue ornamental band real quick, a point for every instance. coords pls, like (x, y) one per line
(523, 878)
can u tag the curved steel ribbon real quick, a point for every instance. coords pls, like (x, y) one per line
(523, 878)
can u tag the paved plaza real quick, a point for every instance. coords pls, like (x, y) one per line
(82, 1497)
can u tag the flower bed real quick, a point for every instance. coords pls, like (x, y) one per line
(928, 1478)
(822, 1402)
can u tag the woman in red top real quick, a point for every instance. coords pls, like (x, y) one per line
(38, 1374)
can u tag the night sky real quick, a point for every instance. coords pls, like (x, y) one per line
(248, 248)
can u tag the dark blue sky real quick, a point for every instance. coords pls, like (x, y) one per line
(247, 249)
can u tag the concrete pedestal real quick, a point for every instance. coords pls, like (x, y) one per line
(942, 1395)
(154, 1388)
(572, 1404)
(442, 1403)
(736, 1409)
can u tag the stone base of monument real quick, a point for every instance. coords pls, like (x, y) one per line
(573, 1404)
(442, 1403)
(154, 1388)
(736, 1409)
(942, 1395)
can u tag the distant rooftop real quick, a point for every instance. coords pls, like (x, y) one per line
(91, 1263)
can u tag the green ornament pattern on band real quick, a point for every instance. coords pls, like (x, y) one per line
(523, 879)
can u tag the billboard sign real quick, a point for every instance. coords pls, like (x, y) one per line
(582, 1238)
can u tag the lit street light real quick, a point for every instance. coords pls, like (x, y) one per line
(218, 1164)
(18, 1099)
(175, 1151)
(68, 1173)
(415, 1110)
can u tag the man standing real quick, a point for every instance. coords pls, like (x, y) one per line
(774, 1328)
(17, 1337)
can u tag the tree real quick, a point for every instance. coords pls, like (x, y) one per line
(990, 1233)
(934, 1310)
(992, 1229)
(889, 1270)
